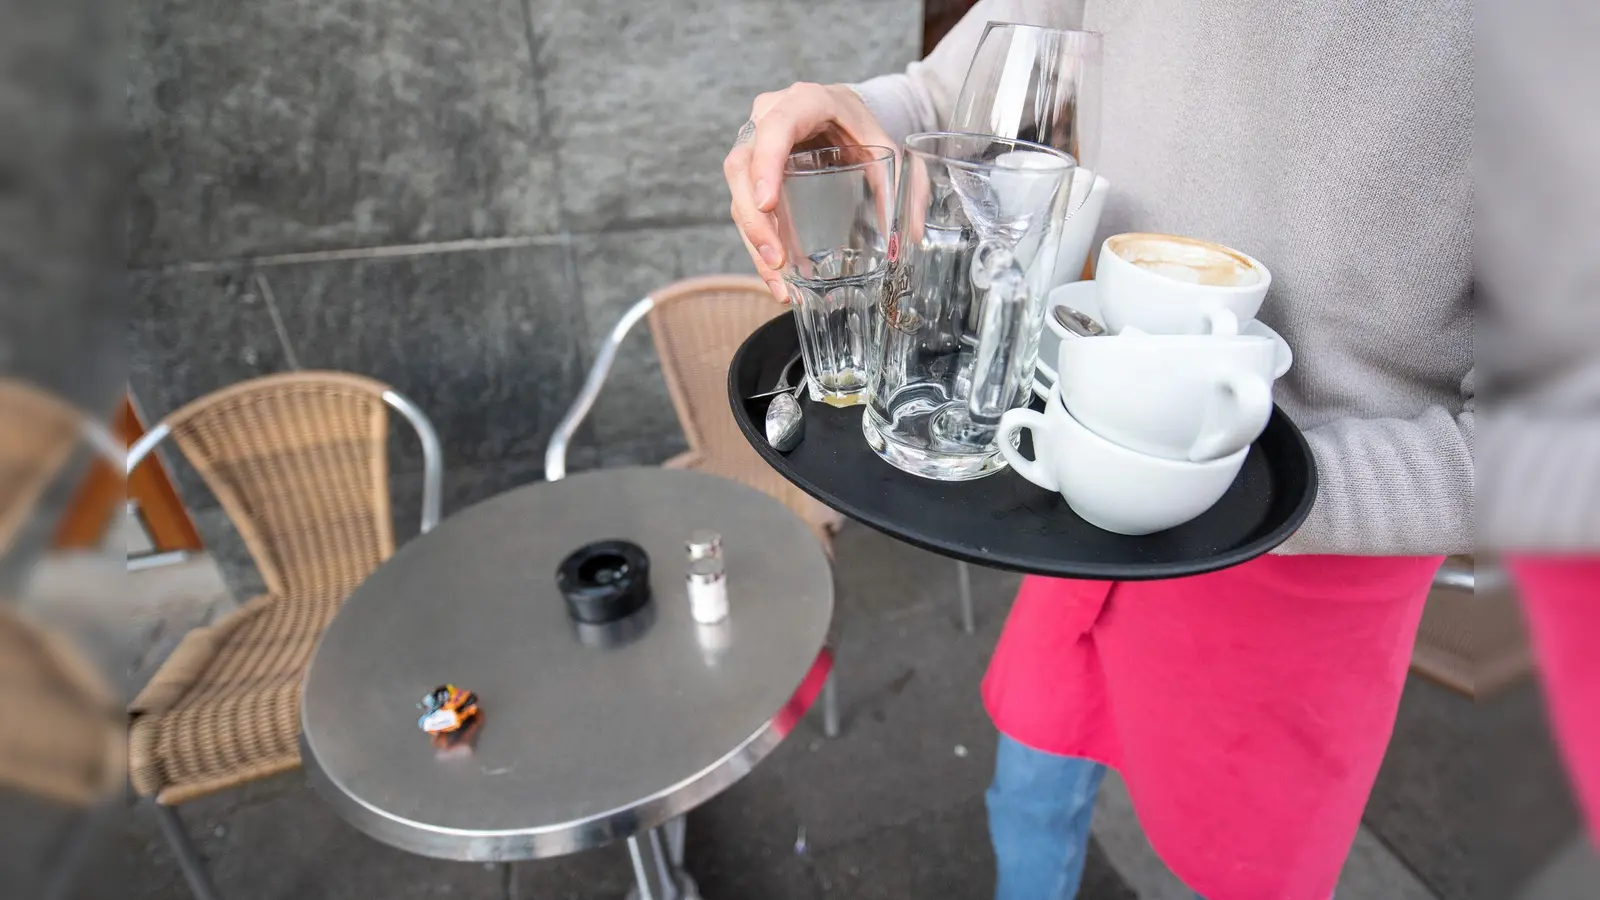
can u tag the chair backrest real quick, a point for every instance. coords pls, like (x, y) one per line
(698, 324)
(299, 463)
(37, 435)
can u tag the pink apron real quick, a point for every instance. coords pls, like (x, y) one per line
(1247, 710)
(1561, 598)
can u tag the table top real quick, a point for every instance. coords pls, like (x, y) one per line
(587, 736)
(1003, 520)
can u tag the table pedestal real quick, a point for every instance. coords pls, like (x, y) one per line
(658, 865)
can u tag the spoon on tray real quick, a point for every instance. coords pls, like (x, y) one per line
(783, 386)
(786, 421)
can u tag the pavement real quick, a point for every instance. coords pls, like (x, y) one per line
(892, 808)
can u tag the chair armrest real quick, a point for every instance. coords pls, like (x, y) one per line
(104, 443)
(142, 447)
(432, 456)
(555, 455)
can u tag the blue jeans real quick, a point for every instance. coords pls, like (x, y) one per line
(1040, 806)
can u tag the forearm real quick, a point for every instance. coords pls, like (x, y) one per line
(1541, 480)
(1391, 487)
(921, 97)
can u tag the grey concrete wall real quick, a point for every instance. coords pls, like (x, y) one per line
(61, 328)
(456, 198)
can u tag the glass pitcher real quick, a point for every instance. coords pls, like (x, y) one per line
(957, 327)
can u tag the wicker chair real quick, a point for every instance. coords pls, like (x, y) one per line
(71, 750)
(298, 463)
(38, 434)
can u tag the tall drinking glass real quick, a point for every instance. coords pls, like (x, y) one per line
(834, 213)
(956, 334)
(1043, 85)
(1035, 84)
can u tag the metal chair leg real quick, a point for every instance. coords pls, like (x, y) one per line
(830, 705)
(964, 585)
(81, 838)
(194, 869)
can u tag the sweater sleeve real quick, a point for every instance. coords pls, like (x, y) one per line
(1393, 487)
(921, 97)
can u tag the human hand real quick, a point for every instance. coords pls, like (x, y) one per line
(798, 117)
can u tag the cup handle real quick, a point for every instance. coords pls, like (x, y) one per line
(1036, 470)
(1222, 322)
(1236, 422)
(1285, 356)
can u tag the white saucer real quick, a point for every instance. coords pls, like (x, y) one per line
(1081, 296)
(1285, 354)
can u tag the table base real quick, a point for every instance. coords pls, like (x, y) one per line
(686, 890)
(658, 865)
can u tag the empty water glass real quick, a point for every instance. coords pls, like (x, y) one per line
(834, 214)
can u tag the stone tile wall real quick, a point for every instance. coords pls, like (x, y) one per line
(456, 198)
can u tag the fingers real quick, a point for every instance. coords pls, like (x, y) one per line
(756, 228)
(754, 171)
(775, 284)
(803, 110)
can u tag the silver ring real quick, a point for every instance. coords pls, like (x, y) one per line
(746, 132)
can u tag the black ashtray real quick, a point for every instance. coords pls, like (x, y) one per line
(615, 635)
(604, 581)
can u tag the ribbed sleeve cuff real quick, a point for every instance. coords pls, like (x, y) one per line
(1390, 487)
(1539, 484)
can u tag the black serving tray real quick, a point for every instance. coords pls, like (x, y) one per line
(1003, 520)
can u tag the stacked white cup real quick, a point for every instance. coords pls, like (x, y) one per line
(1148, 425)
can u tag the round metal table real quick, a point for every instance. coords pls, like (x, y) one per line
(589, 735)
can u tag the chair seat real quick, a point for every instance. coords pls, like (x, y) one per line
(63, 738)
(224, 709)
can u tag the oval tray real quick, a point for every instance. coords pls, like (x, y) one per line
(1003, 520)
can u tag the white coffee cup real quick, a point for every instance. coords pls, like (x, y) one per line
(1108, 485)
(1166, 284)
(1178, 396)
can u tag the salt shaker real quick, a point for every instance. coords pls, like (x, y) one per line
(708, 590)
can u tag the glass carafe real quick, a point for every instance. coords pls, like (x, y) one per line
(957, 327)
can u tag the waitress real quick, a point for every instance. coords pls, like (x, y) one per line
(1247, 710)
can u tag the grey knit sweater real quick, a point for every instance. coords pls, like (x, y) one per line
(1332, 141)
